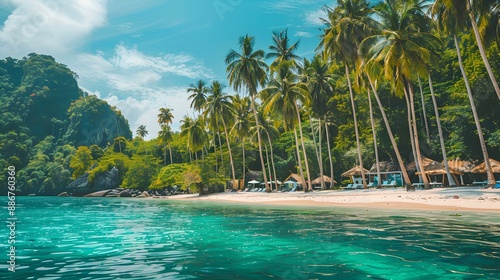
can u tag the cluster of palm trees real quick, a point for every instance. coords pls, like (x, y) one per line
(395, 43)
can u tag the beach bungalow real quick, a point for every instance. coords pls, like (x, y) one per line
(390, 175)
(293, 182)
(481, 169)
(465, 168)
(355, 175)
(435, 172)
(316, 183)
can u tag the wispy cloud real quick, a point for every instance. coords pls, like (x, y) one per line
(285, 6)
(314, 17)
(303, 34)
(54, 27)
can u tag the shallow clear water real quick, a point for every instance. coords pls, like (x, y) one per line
(113, 238)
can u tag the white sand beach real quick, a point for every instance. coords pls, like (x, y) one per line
(461, 198)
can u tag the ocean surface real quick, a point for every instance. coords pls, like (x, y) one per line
(120, 238)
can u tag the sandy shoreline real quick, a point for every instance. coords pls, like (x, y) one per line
(462, 198)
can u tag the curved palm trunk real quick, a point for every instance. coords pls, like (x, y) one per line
(423, 109)
(374, 136)
(441, 138)
(220, 148)
(415, 136)
(230, 152)
(244, 161)
(406, 178)
(301, 171)
(489, 173)
(170, 150)
(410, 130)
(272, 160)
(360, 158)
(309, 187)
(483, 54)
(323, 185)
(318, 154)
(332, 184)
(260, 144)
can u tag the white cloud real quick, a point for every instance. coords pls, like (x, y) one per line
(144, 110)
(314, 17)
(50, 26)
(303, 34)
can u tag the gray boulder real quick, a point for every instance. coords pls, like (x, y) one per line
(63, 194)
(124, 194)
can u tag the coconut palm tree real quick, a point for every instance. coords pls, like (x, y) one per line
(347, 25)
(281, 49)
(198, 96)
(194, 130)
(165, 136)
(242, 124)
(220, 109)
(165, 116)
(405, 50)
(282, 96)
(319, 79)
(449, 21)
(141, 131)
(247, 71)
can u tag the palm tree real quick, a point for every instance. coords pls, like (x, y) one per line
(316, 74)
(347, 25)
(242, 124)
(405, 50)
(449, 21)
(141, 131)
(219, 109)
(198, 95)
(247, 70)
(195, 133)
(165, 116)
(281, 49)
(281, 96)
(165, 136)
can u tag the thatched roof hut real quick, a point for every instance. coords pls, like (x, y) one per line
(327, 179)
(384, 166)
(462, 166)
(495, 167)
(355, 171)
(296, 178)
(432, 167)
(253, 175)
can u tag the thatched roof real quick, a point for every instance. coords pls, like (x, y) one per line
(327, 179)
(495, 166)
(431, 167)
(296, 178)
(384, 166)
(355, 171)
(460, 165)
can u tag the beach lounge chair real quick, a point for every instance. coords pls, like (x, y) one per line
(349, 187)
(293, 189)
(387, 183)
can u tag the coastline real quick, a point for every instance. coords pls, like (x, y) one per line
(450, 199)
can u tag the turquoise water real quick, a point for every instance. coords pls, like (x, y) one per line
(113, 238)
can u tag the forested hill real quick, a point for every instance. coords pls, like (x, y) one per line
(44, 115)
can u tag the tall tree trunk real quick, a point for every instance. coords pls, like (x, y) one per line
(259, 143)
(164, 155)
(409, 186)
(332, 184)
(244, 161)
(220, 148)
(170, 150)
(374, 136)
(229, 150)
(410, 131)
(318, 154)
(415, 136)
(483, 54)
(441, 138)
(309, 187)
(360, 158)
(321, 170)
(423, 109)
(272, 160)
(301, 171)
(489, 173)
(215, 155)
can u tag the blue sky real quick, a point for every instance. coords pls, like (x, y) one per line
(142, 55)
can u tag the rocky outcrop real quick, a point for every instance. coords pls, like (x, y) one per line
(98, 194)
(63, 194)
(105, 181)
